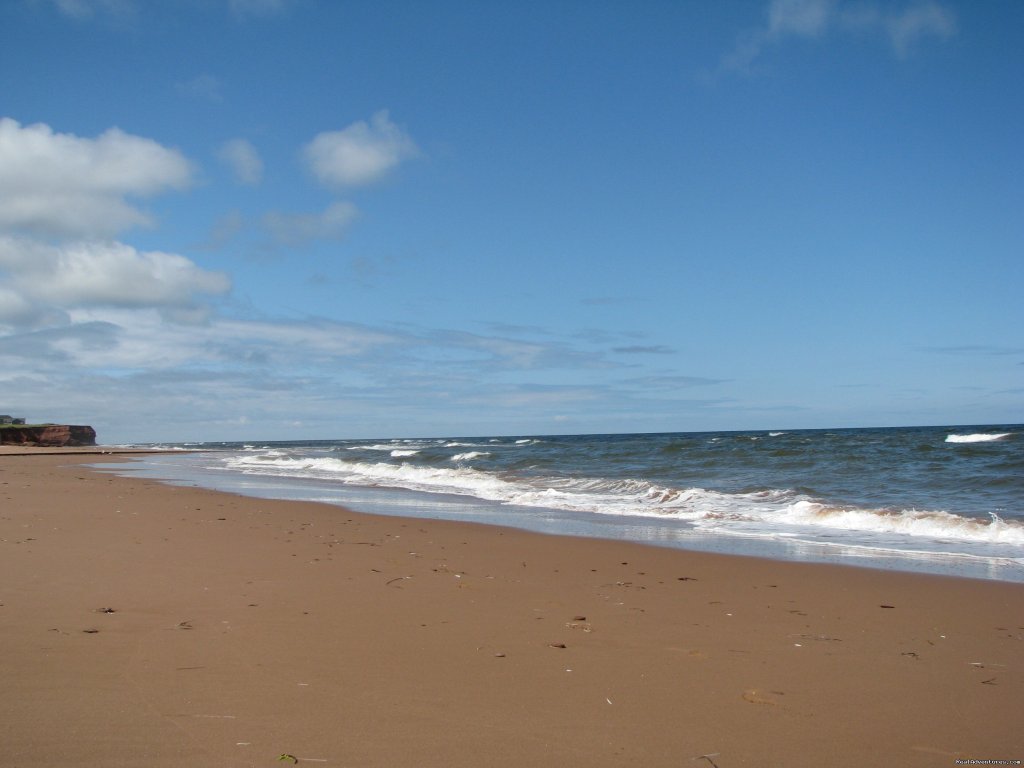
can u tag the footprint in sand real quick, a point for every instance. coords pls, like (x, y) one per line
(755, 696)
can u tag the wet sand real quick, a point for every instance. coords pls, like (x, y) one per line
(150, 625)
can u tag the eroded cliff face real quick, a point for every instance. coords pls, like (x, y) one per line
(48, 435)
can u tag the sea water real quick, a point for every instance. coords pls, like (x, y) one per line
(935, 499)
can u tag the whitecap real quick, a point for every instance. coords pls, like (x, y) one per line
(909, 522)
(395, 445)
(980, 437)
(469, 455)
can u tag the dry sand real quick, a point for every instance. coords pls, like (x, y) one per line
(147, 625)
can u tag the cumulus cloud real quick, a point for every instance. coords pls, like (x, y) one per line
(243, 160)
(17, 311)
(809, 19)
(298, 229)
(35, 276)
(359, 154)
(59, 184)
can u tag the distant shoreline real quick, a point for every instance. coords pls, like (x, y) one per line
(95, 450)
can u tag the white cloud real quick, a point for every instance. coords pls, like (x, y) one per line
(61, 184)
(644, 349)
(84, 9)
(475, 352)
(809, 19)
(359, 154)
(297, 229)
(127, 339)
(16, 310)
(90, 273)
(918, 22)
(303, 341)
(507, 352)
(128, 368)
(243, 159)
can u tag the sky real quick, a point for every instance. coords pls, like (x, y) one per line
(305, 219)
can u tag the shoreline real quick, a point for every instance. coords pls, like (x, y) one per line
(404, 502)
(241, 629)
(89, 450)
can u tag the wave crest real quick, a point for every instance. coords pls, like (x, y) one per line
(910, 522)
(469, 455)
(763, 512)
(979, 437)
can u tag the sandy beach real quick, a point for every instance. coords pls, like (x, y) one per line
(149, 625)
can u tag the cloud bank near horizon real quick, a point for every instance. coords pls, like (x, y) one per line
(86, 317)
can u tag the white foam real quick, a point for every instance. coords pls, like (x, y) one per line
(404, 452)
(910, 522)
(977, 438)
(462, 481)
(773, 513)
(469, 455)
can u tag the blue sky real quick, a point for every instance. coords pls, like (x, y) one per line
(289, 219)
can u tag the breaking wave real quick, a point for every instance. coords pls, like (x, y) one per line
(767, 512)
(977, 438)
(470, 455)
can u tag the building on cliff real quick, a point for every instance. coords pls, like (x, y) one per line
(5, 419)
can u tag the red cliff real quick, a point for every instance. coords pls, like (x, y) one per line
(48, 435)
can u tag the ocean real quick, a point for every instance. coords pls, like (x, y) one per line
(946, 500)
